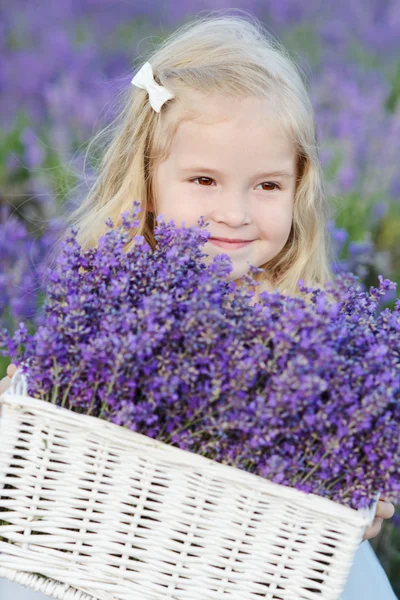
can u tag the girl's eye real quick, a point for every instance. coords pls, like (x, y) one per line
(208, 179)
(276, 186)
(197, 178)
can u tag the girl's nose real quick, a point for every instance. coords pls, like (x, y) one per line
(232, 208)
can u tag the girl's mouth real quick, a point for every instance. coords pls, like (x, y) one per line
(229, 245)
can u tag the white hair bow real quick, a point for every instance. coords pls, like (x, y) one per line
(158, 94)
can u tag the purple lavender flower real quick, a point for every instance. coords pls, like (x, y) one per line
(302, 391)
(22, 268)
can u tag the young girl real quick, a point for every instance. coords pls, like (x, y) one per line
(221, 106)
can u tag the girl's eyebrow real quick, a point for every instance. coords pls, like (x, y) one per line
(283, 174)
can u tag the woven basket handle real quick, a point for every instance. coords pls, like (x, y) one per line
(19, 384)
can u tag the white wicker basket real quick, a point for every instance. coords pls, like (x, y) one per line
(104, 513)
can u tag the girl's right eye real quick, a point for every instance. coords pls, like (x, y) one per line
(197, 178)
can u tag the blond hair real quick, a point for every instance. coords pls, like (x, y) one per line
(231, 55)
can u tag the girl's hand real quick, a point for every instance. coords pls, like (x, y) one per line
(384, 510)
(6, 381)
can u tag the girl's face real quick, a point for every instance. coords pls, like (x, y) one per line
(235, 166)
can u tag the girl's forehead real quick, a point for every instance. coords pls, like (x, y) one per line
(254, 121)
(218, 108)
(208, 125)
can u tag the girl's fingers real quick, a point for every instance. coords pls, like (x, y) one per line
(374, 529)
(6, 381)
(385, 510)
(11, 369)
(4, 384)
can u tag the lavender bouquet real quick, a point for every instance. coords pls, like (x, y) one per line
(301, 391)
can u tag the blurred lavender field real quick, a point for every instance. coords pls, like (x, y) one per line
(64, 62)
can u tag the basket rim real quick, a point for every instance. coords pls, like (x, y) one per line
(189, 460)
(43, 585)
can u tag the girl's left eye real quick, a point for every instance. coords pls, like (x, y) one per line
(276, 186)
(271, 183)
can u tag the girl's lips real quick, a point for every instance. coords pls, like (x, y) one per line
(229, 245)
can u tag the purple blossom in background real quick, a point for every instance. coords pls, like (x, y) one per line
(63, 63)
(22, 268)
(359, 258)
(302, 391)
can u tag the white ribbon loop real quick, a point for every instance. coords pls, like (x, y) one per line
(158, 94)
